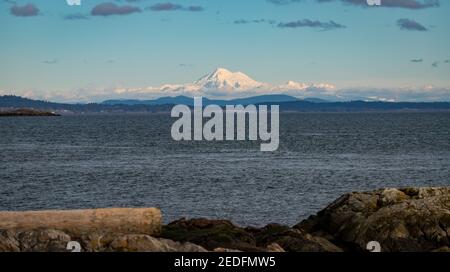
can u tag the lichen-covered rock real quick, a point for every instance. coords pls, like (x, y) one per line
(274, 247)
(145, 243)
(410, 219)
(97, 241)
(48, 240)
(8, 242)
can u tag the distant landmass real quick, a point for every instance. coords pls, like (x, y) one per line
(274, 98)
(10, 102)
(165, 104)
(26, 112)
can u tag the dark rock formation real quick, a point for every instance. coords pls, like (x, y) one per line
(222, 234)
(410, 219)
(210, 234)
(291, 239)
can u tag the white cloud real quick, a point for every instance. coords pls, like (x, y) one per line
(223, 84)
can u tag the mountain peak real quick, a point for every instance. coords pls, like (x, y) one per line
(223, 79)
(221, 70)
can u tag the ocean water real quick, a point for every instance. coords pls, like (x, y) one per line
(132, 161)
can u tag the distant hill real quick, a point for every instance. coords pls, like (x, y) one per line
(273, 98)
(363, 106)
(11, 101)
(15, 102)
(291, 105)
(160, 101)
(315, 100)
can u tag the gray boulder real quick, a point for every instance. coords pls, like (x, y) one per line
(145, 243)
(408, 219)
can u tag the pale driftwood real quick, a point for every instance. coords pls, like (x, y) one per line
(78, 222)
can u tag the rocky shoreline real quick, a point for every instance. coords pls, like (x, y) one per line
(406, 219)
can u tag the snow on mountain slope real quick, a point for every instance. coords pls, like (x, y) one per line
(224, 83)
(222, 79)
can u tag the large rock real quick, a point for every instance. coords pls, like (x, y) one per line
(410, 219)
(49, 240)
(210, 234)
(8, 242)
(145, 243)
(291, 240)
(46, 240)
(38, 240)
(222, 235)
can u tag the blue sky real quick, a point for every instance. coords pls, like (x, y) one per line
(51, 50)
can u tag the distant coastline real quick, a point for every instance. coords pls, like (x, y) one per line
(165, 105)
(26, 112)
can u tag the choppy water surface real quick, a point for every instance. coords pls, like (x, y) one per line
(115, 161)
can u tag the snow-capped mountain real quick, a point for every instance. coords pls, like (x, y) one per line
(223, 79)
(224, 83)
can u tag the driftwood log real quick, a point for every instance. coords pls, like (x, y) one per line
(78, 222)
